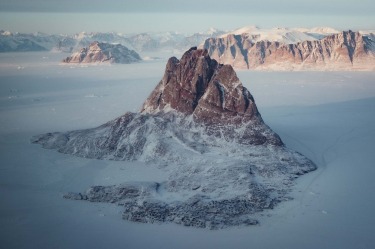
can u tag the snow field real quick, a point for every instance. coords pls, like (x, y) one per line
(329, 117)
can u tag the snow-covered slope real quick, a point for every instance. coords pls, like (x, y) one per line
(282, 35)
(323, 30)
(203, 128)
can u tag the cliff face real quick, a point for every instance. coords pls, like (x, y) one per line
(98, 52)
(197, 85)
(343, 51)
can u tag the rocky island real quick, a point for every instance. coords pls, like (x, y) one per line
(99, 52)
(202, 127)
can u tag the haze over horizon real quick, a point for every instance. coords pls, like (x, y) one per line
(131, 16)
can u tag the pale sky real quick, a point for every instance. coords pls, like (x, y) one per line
(131, 16)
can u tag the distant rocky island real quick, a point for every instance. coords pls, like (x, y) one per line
(201, 126)
(99, 52)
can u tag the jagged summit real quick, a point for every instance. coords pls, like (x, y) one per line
(98, 52)
(202, 127)
(197, 85)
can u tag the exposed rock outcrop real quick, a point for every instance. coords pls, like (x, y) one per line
(202, 127)
(98, 52)
(212, 94)
(347, 50)
(199, 86)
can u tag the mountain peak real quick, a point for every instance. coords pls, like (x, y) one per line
(197, 85)
(183, 83)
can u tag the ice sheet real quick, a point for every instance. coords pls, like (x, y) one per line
(328, 117)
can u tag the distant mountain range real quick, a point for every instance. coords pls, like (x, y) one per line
(250, 47)
(294, 49)
(142, 42)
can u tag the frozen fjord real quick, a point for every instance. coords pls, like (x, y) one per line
(338, 137)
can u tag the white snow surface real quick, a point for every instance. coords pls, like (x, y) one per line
(284, 35)
(327, 116)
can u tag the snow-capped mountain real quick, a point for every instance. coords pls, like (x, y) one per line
(202, 127)
(84, 39)
(323, 31)
(98, 52)
(283, 35)
(16, 42)
(175, 40)
(142, 42)
(345, 50)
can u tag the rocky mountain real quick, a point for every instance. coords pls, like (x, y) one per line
(144, 42)
(201, 127)
(16, 42)
(346, 50)
(98, 52)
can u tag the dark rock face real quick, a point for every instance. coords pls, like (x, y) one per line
(183, 84)
(103, 52)
(224, 165)
(347, 50)
(198, 85)
(210, 92)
